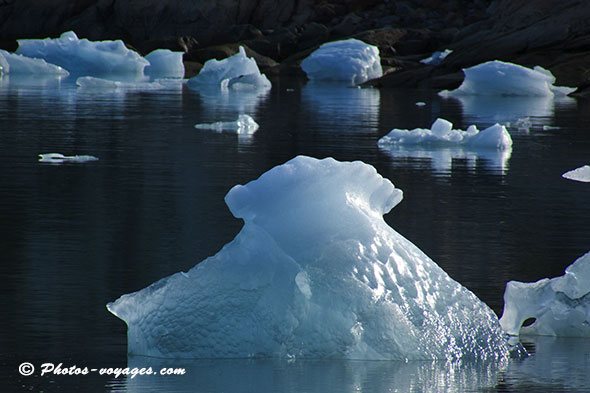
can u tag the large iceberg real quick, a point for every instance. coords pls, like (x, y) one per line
(314, 273)
(350, 61)
(581, 174)
(84, 57)
(11, 63)
(245, 124)
(498, 78)
(442, 134)
(238, 72)
(165, 63)
(559, 306)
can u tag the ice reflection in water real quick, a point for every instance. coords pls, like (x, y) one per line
(508, 110)
(348, 108)
(442, 159)
(272, 375)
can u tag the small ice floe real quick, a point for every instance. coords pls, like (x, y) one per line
(350, 61)
(14, 64)
(557, 307)
(420, 103)
(58, 158)
(90, 82)
(549, 128)
(581, 174)
(235, 72)
(507, 79)
(442, 134)
(523, 124)
(245, 124)
(436, 58)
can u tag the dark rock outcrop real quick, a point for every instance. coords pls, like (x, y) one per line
(552, 33)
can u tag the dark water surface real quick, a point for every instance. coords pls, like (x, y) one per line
(77, 236)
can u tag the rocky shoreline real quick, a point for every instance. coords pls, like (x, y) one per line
(554, 34)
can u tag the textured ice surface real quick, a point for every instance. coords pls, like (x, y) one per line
(315, 272)
(12, 63)
(236, 72)
(437, 57)
(560, 306)
(441, 133)
(164, 63)
(58, 158)
(350, 61)
(579, 174)
(245, 124)
(84, 57)
(507, 79)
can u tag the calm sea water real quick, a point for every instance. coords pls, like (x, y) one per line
(76, 236)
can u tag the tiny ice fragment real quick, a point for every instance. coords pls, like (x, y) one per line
(245, 124)
(58, 158)
(581, 174)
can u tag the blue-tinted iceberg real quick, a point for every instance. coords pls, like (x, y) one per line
(315, 272)
(84, 57)
(437, 57)
(14, 64)
(442, 134)
(164, 63)
(581, 174)
(238, 72)
(350, 61)
(245, 124)
(560, 306)
(497, 78)
(58, 158)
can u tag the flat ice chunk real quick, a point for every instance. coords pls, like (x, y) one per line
(84, 57)
(560, 306)
(12, 63)
(507, 79)
(236, 72)
(245, 124)
(58, 158)
(314, 273)
(442, 134)
(437, 57)
(579, 174)
(164, 63)
(90, 82)
(350, 61)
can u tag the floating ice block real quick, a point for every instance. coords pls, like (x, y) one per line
(314, 273)
(507, 79)
(350, 61)
(442, 134)
(560, 306)
(236, 72)
(84, 57)
(245, 124)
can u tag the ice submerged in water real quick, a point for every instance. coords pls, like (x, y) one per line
(316, 273)
(351, 61)
(560, 306)
(442, 133)
(58, 158)
(245, 124)
(238, 72)
(507, 79)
